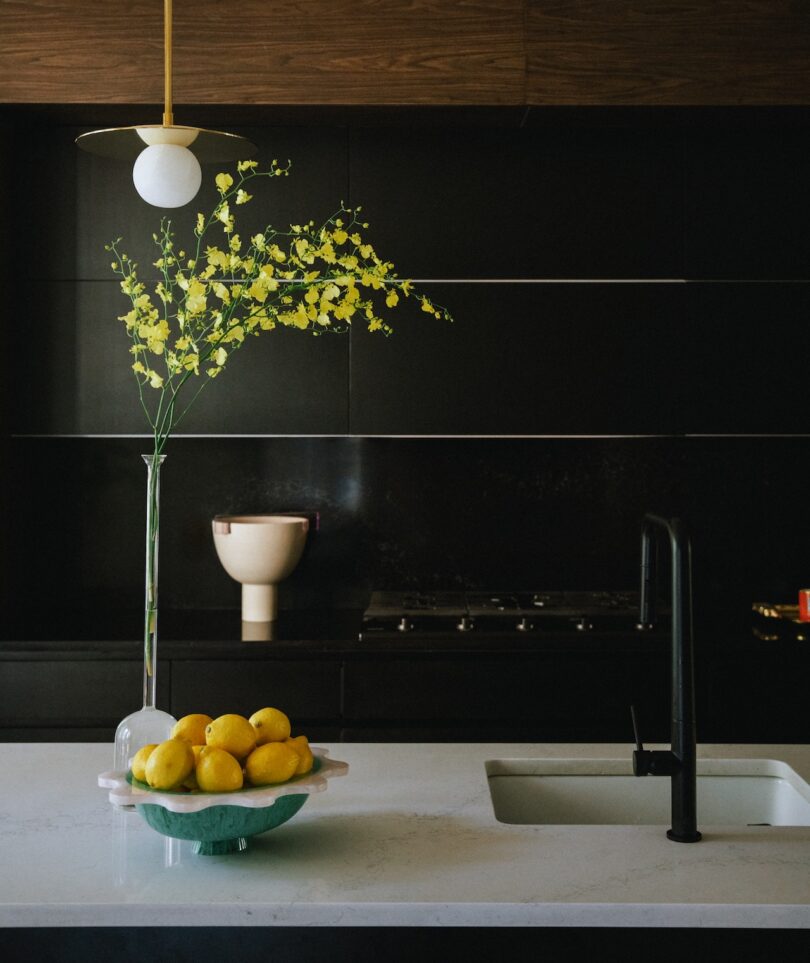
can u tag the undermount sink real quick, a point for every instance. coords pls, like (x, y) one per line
(730, 792)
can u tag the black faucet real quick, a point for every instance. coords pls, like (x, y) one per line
(680, 762)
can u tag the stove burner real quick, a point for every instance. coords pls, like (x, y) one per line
(527, 613)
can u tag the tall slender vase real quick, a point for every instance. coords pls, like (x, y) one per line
(148, 724)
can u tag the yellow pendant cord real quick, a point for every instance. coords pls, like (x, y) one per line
(168, 116)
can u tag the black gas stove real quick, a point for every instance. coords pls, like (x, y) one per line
(458, 613)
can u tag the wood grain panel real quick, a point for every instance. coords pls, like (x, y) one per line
(259, 52)
(660, 52)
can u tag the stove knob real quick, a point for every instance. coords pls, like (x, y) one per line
(404, 625)
(465, 625)
(524, 625)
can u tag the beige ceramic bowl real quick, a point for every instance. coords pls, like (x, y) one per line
(259, 551)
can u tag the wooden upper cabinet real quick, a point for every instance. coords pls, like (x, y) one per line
(417, 52)
(265, 51)
(668, 52)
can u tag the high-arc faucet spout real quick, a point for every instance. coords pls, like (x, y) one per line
(680, 762)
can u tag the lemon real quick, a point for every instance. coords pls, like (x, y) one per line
(139, 761)
(169, 764)
(271, 725)
(191, 728)
(272, 762)
(232, 733)
(218, 771)
(190, 782)
(306, 759)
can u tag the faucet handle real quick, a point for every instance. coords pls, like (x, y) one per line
(642, 758)
(639, 747)
(652, 762)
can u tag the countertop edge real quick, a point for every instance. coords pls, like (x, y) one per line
(429, 914)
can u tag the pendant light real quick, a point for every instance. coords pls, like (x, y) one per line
(166, 172)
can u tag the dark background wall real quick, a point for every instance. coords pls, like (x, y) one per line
(630, 297)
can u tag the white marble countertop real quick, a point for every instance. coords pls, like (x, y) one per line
(407, 838)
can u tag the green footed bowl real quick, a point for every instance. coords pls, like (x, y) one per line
(222, 829)
(221, 822)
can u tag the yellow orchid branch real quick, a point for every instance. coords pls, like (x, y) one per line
(317, 279)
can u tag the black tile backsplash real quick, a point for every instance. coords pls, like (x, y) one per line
(404, 513)
(747, 202)
(528, 203)
(722, 207)
(528, 359)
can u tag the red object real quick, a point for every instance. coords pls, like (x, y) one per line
(804, 605)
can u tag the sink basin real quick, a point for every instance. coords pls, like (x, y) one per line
(730, 792)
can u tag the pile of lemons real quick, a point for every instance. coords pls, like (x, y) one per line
(223, 754)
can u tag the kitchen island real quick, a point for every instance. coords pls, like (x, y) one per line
(407, 838)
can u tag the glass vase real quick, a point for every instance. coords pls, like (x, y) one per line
(149, 724)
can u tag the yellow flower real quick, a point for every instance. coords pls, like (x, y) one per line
(162, 293)
(246, 165)
(236, 333)
(182, 343)
(224, 213)
(223, 182)
(371, 281)
(200, 224)
(196, 300)
(344, 310)
(298, 318)
(221, 292)
(327, 253)
(258, 290)
(264, 321)
(155, 380)
(426, 305)
(340, 236)
(220, 356)
(312, 295)
(392, 299)
(217, 258)
(242, 197)
(258, 241)
(366, 250)
(154, 335)
(235, 243)
(131, 286)
(138, 368)
(192, 363)
(331, 291)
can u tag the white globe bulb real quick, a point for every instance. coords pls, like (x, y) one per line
(167, 175)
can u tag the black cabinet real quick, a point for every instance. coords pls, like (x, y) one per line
(307, 690)
(70, 699)
(345, 691)
(545, 697)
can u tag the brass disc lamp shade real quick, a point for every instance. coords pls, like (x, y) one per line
(166, 172)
